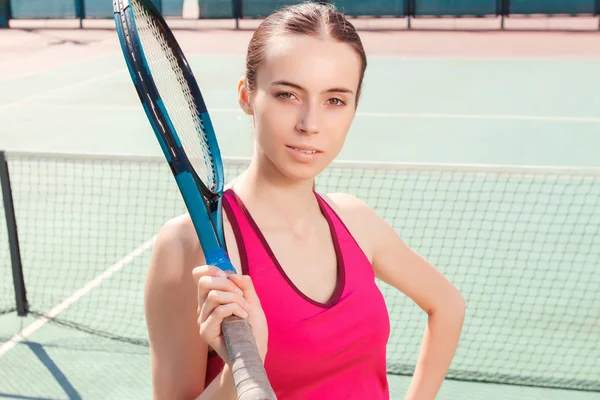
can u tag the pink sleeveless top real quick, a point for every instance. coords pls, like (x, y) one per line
(334, 350)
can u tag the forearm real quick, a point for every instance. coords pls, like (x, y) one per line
(221, 388)
(437, 350)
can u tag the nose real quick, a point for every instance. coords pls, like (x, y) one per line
(309, 120)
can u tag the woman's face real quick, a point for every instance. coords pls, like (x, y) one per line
(304, 102)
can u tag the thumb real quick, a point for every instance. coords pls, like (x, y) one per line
(244, 282)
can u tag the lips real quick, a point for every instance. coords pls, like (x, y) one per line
(304, 154)
(305, 149)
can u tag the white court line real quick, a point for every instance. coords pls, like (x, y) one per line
(66, 303)
(61, 89)
(359, 114)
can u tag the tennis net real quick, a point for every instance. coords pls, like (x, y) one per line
(522, 245)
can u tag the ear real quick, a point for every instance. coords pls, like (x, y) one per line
(244, 97)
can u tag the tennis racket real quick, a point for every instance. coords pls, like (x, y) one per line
(176, 110)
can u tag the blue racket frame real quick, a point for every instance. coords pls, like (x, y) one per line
(203, 204)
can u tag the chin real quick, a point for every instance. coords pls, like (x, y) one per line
(300, 171)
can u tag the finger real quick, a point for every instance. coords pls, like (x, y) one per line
(200, 272)
(244, 282)
(217, 298)
(215, 319)
(208, 283)
(207, 270)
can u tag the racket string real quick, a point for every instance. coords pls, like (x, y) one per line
(176, 95)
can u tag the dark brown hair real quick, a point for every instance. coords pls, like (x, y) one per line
(309, 18)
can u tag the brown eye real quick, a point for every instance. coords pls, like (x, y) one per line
(285, 95)
(336, 102)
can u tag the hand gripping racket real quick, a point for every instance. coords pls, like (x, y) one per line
(176, 110)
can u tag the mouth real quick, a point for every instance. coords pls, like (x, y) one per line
(305, 150)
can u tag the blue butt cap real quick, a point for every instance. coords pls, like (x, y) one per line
(219, 259)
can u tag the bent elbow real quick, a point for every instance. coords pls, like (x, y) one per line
(454, 306)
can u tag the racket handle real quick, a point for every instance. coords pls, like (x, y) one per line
(248, 371)
(247, 367)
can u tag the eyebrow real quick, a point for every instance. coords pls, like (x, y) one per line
(296, 86)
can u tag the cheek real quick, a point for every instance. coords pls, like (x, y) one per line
(272, 120)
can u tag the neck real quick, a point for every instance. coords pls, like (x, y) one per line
(277, 201)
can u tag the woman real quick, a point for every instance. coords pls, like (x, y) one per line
(307, 262)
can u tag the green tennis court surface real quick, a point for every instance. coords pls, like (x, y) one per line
(522, 243)
(490, 111)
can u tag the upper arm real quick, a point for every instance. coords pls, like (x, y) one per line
(400, 266)
(178, 353)
(394, 262)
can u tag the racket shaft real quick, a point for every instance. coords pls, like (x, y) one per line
(248, 371)
(247, 367)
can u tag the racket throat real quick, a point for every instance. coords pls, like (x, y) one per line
(216, 212)
(176, 164)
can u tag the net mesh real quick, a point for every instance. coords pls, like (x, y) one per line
(175, 93)
(522, 245)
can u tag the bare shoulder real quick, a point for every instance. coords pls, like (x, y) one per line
(349, 206)
(176, 244)
(345, 200)
(178, 232)
(178, 229)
